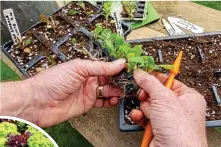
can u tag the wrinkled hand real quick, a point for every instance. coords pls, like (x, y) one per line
(177, 115)
(69, 89)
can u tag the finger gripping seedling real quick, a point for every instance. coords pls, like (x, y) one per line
(148, 134)
(118, 48)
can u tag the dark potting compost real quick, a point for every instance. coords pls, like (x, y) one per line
(62, 36)
(199, 68)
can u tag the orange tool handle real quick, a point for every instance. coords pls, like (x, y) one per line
(148, 135)
(169, 81)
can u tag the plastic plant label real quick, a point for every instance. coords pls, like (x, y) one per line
(168, 27)
(186, 25)
(218, 100)
(12, 24)
(118, 23)
(177, 30)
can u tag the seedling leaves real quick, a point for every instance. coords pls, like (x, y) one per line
(72, 12)
(137, 50)
(73, 41)
(166, 66)
(27, 42)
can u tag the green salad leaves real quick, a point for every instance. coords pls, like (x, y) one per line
(118, 48)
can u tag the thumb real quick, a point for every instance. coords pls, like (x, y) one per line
(99, 68)
(151, 85)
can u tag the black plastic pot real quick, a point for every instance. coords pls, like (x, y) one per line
(54, 48)
(128, 127)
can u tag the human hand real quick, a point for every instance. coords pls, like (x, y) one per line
(69, 89)
(177, 115)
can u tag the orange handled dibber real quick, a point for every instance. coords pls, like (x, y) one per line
(174, 71)
(148, 134)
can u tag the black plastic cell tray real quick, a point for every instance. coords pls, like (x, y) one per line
(127, 127)
(23, 69)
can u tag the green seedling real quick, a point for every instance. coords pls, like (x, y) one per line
(73, 41)
(72, 12)
(98, 29)
(118, 48)
(81, 4)
(27, 42)
(89, 12)
(22, 44)
(83, 43)
(52, 60)
(107, 7)
(129, 8)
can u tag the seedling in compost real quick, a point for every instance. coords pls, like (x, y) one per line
(50, 21)
(72, 12)
(98, 29)
(107, 7)
(129, 8)
(218, 100)
(23, 43)
(82, 5)
(73, 41)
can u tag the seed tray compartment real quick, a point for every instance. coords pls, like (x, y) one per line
(126, 126)
(209, 123)
(141, 10)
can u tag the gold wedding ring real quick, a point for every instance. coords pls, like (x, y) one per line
(100, 91)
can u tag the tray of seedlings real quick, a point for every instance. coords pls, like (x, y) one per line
(132, 10)
(59, 37)
(200, 69)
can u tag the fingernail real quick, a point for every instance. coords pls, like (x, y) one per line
(120, 61)
(130, 112)
(138, 92)
(137, 71)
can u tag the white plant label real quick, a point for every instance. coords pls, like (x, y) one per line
(186, 25)
(168, 27)
(177, 30)
(118, 23)
(12, 24)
